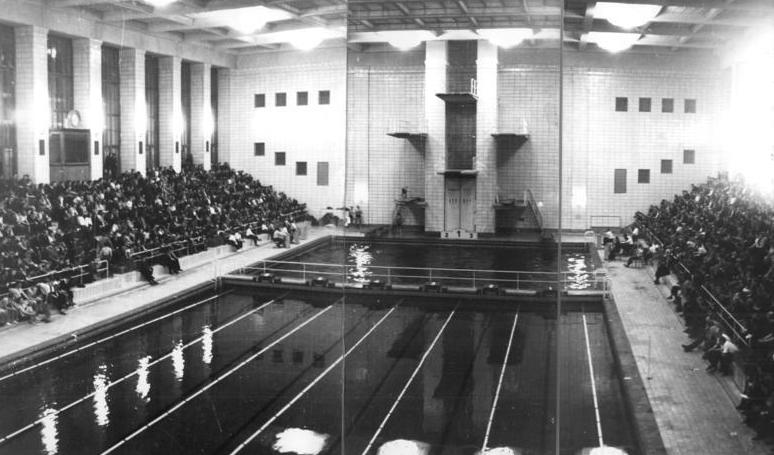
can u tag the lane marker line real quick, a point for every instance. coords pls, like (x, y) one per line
(499, 384)
(410, 380)
(312, 384)
(211, 384)
(593, 382)
(10, 436)
(108, 338)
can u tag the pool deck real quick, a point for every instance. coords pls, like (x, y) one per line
(695, 411)
(21, 339)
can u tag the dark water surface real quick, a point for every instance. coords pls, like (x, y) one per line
(333, 380)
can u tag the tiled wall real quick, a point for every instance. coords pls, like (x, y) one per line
(386, 94)
(312, 133)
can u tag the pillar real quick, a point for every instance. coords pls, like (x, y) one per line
(435, 146)
(486, 147)
(170, 112)
(134, 115)
(225, 147)
(87, 94)
(201, 114)
(33, 110)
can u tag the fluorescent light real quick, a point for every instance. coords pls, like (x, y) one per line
(626, 15)
(505, 37)
(244, 20)
(613, 42)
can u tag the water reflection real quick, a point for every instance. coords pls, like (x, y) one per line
(207, 344)
(300, 441)
(404, 447)
(143, 385)
(361, 258)
(579, 276)
(101, 409)
(48, 432)
(178, 361)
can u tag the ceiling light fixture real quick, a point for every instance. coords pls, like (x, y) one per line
(626, 15)
(613, 42)
(406, 39)
(309, 38)
(160, 3)
(505, 37)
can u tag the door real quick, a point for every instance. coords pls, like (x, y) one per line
(452, 206)
(467, 204)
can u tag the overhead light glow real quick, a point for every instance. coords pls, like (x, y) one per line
(309, 38)
(243, 20)
(406, 39)
(613, 42)
(160, 3)
(505, 37)
(626, 15)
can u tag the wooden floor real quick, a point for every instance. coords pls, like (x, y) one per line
(695, 410)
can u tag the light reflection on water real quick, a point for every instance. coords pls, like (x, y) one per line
(178, 361)
(361, 258)
(207, 344)
(579, 276)
(143, 385)
(101, 408)
(48, 432)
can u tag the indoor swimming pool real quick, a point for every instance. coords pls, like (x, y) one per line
(272, 371)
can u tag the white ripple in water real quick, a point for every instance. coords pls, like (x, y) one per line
(404, 447)
(178, 361)
(101, 408)
(48, 432)
(300, 441)
(143, 385)
(500, 451)
(604, 450)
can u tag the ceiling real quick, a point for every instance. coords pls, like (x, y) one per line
(681, 25)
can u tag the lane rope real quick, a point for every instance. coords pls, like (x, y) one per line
(104, 339)
(10, 436)
(410, 380)
(312, 384)
(499, 385)
(213, 383)
(593, 382)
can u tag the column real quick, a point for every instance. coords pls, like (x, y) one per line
(170, 112)
(134, 116)
(201, 114)
(435, 146)
(486, 124)
(33, 110)
(224, 116)
(87, 93)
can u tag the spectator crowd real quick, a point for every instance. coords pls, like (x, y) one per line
(54, 235)
(719, 237)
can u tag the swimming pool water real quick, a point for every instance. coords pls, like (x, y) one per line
(264, 369)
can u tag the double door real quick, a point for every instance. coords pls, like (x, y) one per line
(460, 204)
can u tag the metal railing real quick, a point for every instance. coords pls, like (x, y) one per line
(353, 274)
(530, 199)
(79, 275)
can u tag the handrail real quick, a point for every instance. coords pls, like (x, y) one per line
(530, 198)
(102, 267)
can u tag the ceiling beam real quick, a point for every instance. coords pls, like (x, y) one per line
(588, 22)
(711, 14)
(475, 11)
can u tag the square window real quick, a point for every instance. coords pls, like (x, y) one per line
(644, 104)
(667, 105)
(322, 173)
(690, 106)
(619, 184)
(259, 149)
(324, 97)
(302, 98)
(279, 158)
(643, 176)
(689, 156)
(276, 356)
(259, 100)
(298, 356)
(621, 104)
(280, 99)
(300, 167)
(666, 166)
